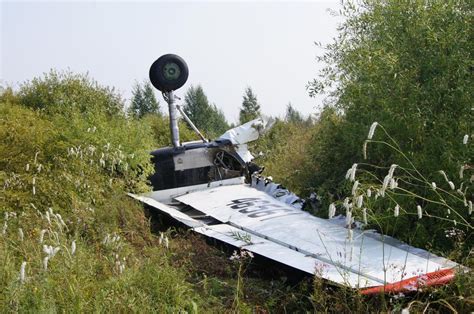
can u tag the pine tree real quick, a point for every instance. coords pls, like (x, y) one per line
(292, 115)
(151, 104)
(250, 107)
(205, 116)
(143, 101)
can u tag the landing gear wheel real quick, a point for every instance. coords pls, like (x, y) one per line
(168, 73)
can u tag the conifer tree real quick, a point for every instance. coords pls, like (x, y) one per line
(205, 116)
(292, 115)
(250, 108)
(143, 101)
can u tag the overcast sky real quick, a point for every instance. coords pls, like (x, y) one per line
(268, 46)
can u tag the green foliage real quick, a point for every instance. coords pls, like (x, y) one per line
(62, 92)
(285, 148)
(65, 171)
(403, 64)
(406, 65)
(143, 101)
(161, 130)
(250, 108)
(205, 116)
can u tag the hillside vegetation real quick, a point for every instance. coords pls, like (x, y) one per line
(392, 147)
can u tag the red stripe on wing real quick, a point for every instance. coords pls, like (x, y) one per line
(437, 278)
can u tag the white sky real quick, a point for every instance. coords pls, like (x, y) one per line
(227, 45)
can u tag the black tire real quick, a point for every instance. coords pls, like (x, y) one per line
(168, 73)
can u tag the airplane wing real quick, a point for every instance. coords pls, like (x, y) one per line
(294, 237)
(251, 218)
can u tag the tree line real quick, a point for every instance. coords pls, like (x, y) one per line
(205, 115)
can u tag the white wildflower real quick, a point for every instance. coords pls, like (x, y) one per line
(42, 235)
(234, 256)
(166, 242)
(45, 263)
(461, 172)
(350, 174)
(160, 240)
(364, 214)
(369, 193)
(360, 200)
(348, 218)
(27, 167)
(22, 272)
(353, 173)
(465, 139)
(34, 190)
(332, 210)
(433, 185)
(405, 311)
(47, 249)
(346, 204)
(451, 185)
(364, 150)
(444, 175)
(59, 218)
(393, 184)
(386, 182)
(396, 211)
(419, 211)
(372, 130)
(354, 187)
(250, 254)
(392, 170)
(40, 166)
(20, 234)
(50, 250)
(73, 247)
(5, 227)
(48, 218)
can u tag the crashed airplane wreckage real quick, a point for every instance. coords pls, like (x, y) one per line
(213, 188)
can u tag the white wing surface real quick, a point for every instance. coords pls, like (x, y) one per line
(311, 244)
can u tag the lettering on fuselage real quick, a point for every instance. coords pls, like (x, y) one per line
(255, 207)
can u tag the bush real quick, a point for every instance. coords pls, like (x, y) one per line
(284, 151)
(408, 67)
(68, 156)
